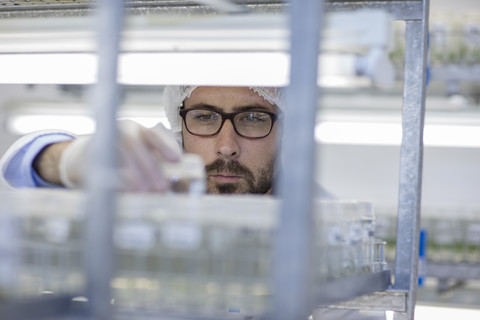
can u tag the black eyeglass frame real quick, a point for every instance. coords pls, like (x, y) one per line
(230, 116)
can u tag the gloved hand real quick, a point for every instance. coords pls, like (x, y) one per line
(140, 154)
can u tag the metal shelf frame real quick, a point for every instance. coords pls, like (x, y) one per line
(291, 280)
(415, 14)
(411, 160)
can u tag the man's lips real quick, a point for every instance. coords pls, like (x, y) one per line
(224, 177)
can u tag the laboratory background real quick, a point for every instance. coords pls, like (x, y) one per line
(47, 81)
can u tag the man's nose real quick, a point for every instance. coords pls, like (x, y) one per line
(227, 142)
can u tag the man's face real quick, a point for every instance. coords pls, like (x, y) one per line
(234, 164)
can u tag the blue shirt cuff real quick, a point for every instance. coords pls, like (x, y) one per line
(35, 147)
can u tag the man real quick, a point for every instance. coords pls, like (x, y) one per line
(240, 154)
(233, 129)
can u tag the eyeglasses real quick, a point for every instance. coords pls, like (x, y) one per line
(249, 124)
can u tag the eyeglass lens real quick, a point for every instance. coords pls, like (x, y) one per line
(251, 124)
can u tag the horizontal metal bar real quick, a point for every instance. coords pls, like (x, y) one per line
(400, 10)
(378, 301)
(145, 315)
(22, 9)
(37, 308)
(347, 288)
(17, 5)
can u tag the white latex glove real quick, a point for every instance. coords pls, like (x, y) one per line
(141, 152)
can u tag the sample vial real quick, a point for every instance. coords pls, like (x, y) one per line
(186, 176)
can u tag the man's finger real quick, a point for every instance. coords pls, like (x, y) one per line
(160, 140)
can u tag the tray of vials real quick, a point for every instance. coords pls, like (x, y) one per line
(178, 254)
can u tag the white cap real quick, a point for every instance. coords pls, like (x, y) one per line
(188, 175)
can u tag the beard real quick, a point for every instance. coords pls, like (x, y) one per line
(250, 184)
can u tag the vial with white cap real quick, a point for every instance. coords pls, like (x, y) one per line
(187, 175)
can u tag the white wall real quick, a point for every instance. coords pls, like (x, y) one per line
(451, 176)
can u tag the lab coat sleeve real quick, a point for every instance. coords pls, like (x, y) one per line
(17, 162)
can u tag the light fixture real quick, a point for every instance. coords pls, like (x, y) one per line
(21, 124)
(241, 69)
(48, 68)
(222, 50)
(390, 134)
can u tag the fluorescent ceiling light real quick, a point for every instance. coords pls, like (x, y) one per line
(331, 132)
(216, 68)
(27, 123)
(150, 68)
(212, 68)
(444, 135)
(48, 68)
(390, 134)
(21, 124)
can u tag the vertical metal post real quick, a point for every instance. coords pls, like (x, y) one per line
(100, 181)
(411, 157)
(292, 298)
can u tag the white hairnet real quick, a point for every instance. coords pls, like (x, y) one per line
(173, 97)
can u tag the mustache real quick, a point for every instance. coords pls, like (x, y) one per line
(231, 166)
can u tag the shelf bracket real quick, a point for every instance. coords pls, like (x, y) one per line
(411, 160)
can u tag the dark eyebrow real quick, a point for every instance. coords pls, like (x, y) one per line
(252, 107)
(203, 106)
(235, 109)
